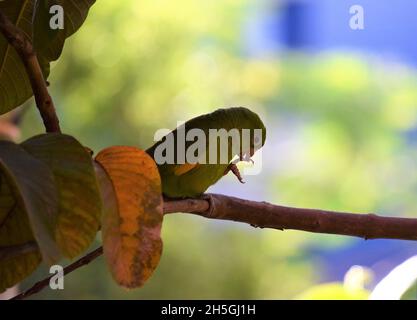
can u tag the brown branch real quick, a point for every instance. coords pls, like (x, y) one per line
(187, 205)
(25, 50)
(266, 215)
(38, 286)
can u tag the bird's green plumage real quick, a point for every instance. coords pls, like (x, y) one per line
(185, 180)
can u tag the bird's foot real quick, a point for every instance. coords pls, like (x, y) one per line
(232, 167)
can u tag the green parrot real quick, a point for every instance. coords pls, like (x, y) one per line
(181, 179)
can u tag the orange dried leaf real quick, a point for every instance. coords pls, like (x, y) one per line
(131, 235)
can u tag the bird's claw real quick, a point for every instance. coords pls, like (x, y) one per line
(235, 170)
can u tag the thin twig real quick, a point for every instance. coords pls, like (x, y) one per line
(266, 215)
(23, 46)
(68, 269)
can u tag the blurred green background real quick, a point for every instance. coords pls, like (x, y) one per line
(339, 126)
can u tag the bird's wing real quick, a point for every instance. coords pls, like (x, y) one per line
(181, 169)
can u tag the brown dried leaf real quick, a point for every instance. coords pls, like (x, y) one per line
(131, 235)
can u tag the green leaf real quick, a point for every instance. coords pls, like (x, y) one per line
(80, 207)
(48, 42)
(14, 231)
(14, 83)
(33, 187)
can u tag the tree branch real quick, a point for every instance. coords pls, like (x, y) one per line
(38, 286)
(262, 215)
(25, 50)
(266, 215)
